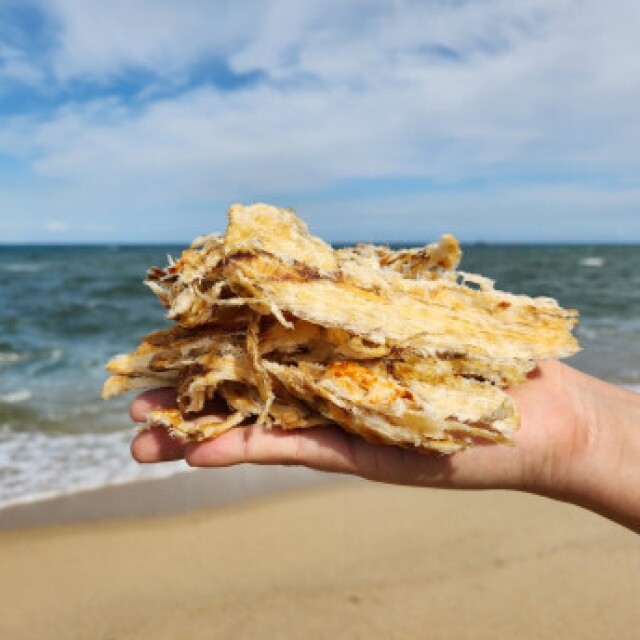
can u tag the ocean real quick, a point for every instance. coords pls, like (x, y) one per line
(64, 311)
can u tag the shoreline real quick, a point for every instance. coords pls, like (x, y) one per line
(183, 491)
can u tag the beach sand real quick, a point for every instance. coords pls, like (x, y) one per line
(347, 560)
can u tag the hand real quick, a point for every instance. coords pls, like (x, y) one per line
(549, 434)
(560, 448)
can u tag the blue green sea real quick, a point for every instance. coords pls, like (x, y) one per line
(64, 311)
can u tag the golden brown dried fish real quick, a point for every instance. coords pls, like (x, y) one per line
(396, 346)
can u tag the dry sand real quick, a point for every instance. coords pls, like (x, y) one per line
(352, 560)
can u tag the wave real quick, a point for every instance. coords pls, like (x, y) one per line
(9, 357)
(23, 267)
(50, 355)
(36, 466)
(591, 261)
(15, 397)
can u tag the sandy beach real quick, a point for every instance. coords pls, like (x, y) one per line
(343, 560)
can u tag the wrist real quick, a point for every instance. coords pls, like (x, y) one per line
(601, 470)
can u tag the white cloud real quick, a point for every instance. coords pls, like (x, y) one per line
(16, 67)
(98, 39)
(451, 92)
(56, 226)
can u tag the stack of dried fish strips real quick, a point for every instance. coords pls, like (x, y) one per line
(396, 346)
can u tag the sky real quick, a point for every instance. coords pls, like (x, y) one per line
(390, 121)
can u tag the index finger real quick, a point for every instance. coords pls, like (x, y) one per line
(164, 398)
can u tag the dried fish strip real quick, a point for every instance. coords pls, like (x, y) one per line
(398, 347)
(374, 405)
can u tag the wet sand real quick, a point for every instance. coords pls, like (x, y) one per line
(181, 492)
(348, 560)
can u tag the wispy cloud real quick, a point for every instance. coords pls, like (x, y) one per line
(15, 67)
(157, 112)
(56, 226)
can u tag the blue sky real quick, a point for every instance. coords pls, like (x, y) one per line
(142, 120)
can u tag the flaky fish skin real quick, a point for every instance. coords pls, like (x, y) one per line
(397, 347)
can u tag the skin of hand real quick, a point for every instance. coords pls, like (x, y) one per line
(579, 442)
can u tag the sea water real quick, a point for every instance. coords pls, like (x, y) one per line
(64, 311)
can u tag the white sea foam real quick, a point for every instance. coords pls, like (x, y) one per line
(54, 355)
(15, 397)
(23, 267)
(591, 261)
(35, 465)
(9, 357)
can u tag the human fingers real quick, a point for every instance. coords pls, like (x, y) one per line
(156, 445)
(323, 448)
(334, 450)
(327, 449)
(164, 398)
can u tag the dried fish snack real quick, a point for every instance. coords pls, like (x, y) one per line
(398, 347)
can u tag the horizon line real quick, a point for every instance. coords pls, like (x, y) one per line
(407, 243)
